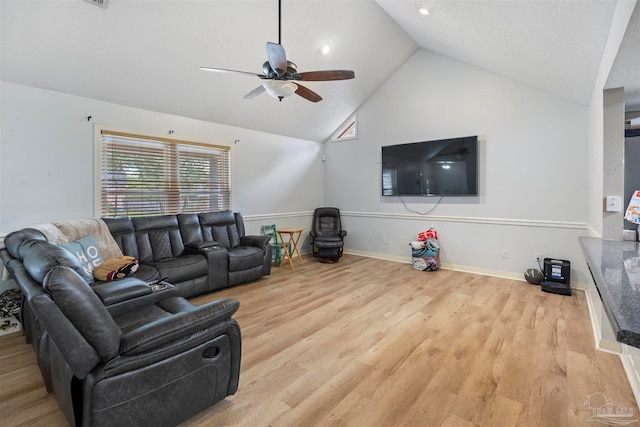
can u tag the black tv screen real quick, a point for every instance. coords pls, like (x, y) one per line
(445, 167)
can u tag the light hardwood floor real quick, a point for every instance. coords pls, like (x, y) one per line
(367, 342)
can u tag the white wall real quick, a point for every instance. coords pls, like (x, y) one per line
(595, 141)
(595, 162)
(613, 159)
(533, 171)
(599, 179)
(46, 163)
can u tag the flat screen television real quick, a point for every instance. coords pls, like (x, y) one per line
(444, 167)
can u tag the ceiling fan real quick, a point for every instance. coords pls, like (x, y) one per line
(281, 77)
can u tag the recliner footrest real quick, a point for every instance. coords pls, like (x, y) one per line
(329, 244)
(329, 253)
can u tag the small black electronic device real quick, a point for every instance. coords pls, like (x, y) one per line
(556, 276)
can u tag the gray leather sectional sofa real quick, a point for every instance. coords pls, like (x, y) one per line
(198, 253)
(134, 350)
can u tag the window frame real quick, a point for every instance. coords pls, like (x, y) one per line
(351, 122)
(172, 169)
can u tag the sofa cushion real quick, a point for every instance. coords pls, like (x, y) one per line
(19, 242)
(182, 268)
(43, 256)
(88, 254)
(84, 309)
(190, 228)
(221, 227)
(158, 238)
(123, 232)
(245, 257)
(146, 273)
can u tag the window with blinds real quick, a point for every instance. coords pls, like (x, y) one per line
(142, 175)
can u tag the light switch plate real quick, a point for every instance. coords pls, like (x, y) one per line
(614, 204)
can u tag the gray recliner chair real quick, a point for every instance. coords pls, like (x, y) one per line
(157, 365)
(327, 235)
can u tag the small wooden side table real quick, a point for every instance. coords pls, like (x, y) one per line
(289, 238)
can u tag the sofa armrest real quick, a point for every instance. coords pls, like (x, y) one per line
(116, 291)
(199, 247)
(217, 262)
(168, 329)
(257, 241)
(148, 298)
(79, 354)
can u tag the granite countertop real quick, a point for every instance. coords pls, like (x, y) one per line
(615, 267)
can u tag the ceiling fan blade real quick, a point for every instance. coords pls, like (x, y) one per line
(277, 58)
(326, 75)
(257, 91)
(222, 70)
(307, 93)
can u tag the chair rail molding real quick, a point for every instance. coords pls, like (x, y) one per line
(571, 225)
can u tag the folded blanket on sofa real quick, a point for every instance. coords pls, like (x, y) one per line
(60, 232)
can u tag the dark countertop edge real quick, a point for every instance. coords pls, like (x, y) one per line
(623, 336)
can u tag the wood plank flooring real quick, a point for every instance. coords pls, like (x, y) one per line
(367, 342)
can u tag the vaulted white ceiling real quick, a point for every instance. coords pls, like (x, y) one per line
(147, 54)
(626, 67)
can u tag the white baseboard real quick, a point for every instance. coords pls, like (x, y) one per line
(609, 346)
(376, 255)
(456, 267)
(633, 375)
(600, 343)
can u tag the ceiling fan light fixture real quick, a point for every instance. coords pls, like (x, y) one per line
(424, 11)
(280, 88)
(281, 73)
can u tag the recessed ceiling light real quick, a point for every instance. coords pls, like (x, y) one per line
(423, 11)
(326, 48)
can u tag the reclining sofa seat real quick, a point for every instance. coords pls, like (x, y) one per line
(156, 241)
(115, 364)
(158, 365)
(41, 256)
(249, 257)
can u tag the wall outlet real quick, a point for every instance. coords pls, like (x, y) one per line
(385, 241)
(505, 253)
(614, 204)
(537, 256)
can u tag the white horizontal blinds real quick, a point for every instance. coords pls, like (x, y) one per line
(203, 179)
(145, 176)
